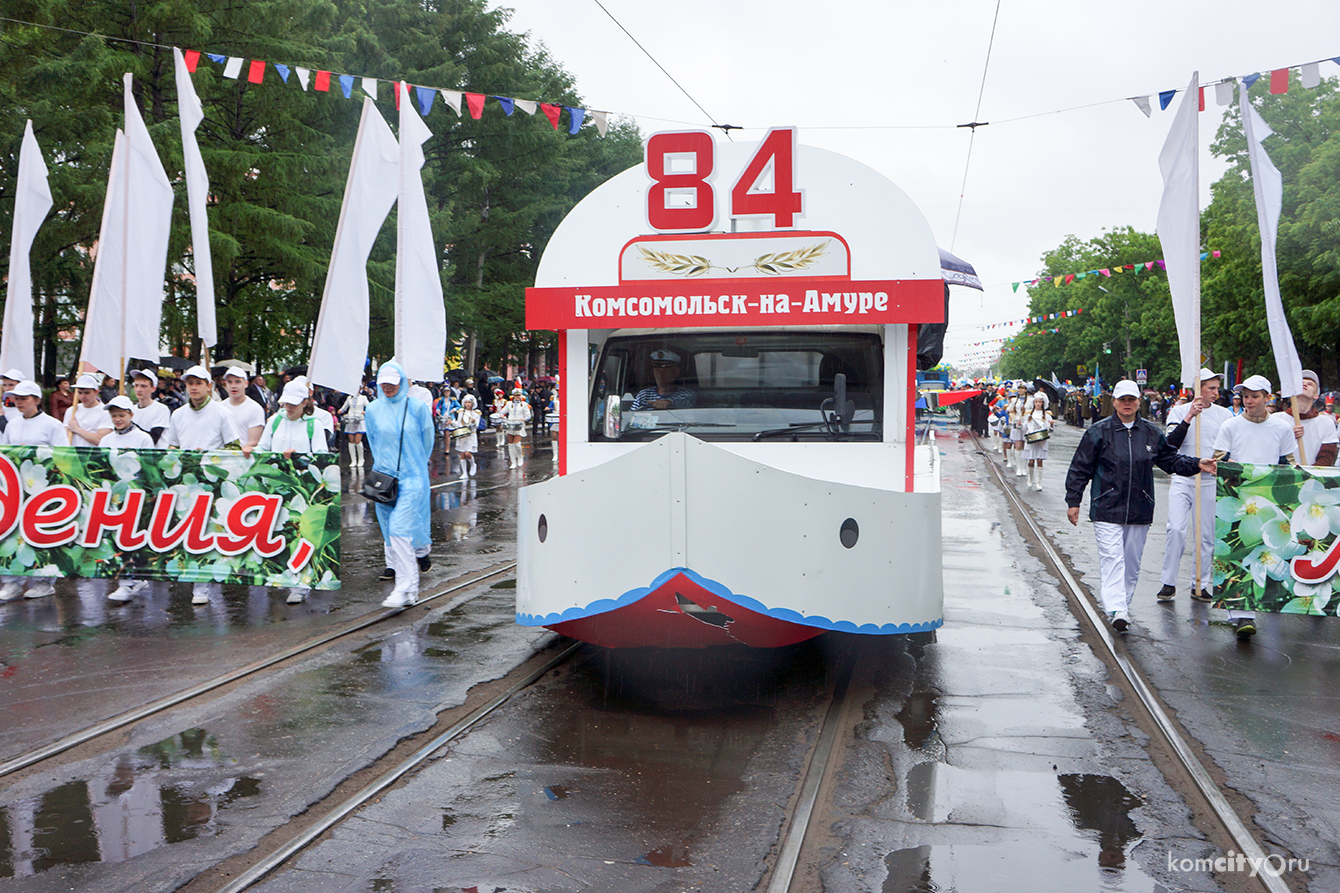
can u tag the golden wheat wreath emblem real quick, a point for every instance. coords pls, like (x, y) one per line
(774, 264)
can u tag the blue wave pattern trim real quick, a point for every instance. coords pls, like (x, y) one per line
(605, 605)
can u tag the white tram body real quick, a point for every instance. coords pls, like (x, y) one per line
(777, 491)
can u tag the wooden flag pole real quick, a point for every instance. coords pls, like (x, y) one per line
(1195, 496)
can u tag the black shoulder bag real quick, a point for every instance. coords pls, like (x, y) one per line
(379, 486)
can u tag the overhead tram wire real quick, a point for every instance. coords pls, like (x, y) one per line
(972, 127)
(724, 128)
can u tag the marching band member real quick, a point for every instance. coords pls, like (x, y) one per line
(515, 415)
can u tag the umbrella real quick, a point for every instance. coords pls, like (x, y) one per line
(238, 364)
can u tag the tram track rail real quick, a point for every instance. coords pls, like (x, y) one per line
(160, 705)
(1169, 732)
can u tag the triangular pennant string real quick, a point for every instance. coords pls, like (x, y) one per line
(453, 99)
(303, 75)
(215, 57)
(526, 105)
(508, 106)
(1223, 93)
(369, 86)
(1251, 79)
(192, 58)
(347, 85)
(425, 95)
(256, 72)
(1279, 81)
(1142, 103)
(1166, 97)
(575, 116)
(602, 122)
(234, 67)
(476, 103)
(1310, 75)
(283, 71)
(322, 81)
(551, 112)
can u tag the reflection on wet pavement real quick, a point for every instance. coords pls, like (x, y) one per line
(162, 794)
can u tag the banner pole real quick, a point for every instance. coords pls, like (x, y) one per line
(1195, 512)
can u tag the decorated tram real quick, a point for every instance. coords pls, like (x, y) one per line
(738, 459)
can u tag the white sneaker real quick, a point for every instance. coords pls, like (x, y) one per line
(200, 594)
(127, 590)
(40, 590)
(295, 595)
(1121, 621)
(10, 591)
(398, 599)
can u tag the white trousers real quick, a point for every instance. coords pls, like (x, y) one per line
(1119, 549)
(1181, 515)
(400, 557)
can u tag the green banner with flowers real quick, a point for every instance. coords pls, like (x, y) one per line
(1276, 546)
(170, 515)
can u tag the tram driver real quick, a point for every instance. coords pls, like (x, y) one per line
(666, 367)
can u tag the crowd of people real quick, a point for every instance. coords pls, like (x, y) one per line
(401, 423)
(1127, 432)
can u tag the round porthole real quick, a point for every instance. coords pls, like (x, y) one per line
(849, 532)
(544, 528)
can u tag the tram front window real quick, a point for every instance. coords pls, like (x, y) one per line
(745, 385)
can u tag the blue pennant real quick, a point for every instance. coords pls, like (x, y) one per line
(507, 105)
(347, 85)
(1166, 97)
(577, 115)
(283, 70)
(1251, 79)
(217, 58)
(425, 95)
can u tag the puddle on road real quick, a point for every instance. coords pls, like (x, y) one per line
(161, 794)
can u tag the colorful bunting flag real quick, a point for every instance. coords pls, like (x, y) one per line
(507, 105)
(283, 71)
(322, 81)
(1250, 79)
(234, 67)
(1223, 93)
(1279, 81)
(1309, 75)
(1165, 97)
(369, 86)
(347, 85)
(256, 72)
(476, 103)
(575, 117)
(526, 105)
(1142, 103)
(602, 122)
(453, 99)
(552, 112)
(192, 58)
(303, 75)
(425, 96)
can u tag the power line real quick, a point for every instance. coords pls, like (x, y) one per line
(976, 115)
(726, 128)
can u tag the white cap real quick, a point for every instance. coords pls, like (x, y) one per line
(294, 393)
(1253, 383)
(199, 372)
(233, 370)
(388, 374)
(121, 401)
(1125, 388)
(145, 373)
(665, 356)
(88, 380)
(1206, 375)
(26, 389)
(14, 375)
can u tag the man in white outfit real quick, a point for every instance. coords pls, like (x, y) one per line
(247, 413)
(1192, 429)
(1257, 437)
(150, 414)
(1317, 430)
(201, 423)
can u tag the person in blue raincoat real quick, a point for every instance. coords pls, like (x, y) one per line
(397, 425)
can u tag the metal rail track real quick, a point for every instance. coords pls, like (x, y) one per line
(351, 805)
(133, 716)
(1091, 616)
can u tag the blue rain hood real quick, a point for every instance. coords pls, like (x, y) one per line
(388, 419)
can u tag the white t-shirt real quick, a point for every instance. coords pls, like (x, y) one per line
(155, 415)
(1212, 418)
(40, 430)
(282, 433)
(324, 419)
(131, 439)
(90, 418)
(247, 414)
(1258, 443)
(1317, 430)
(209, 428)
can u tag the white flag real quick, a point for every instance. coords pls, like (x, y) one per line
(1179, 227)
(370, 87)
(420, 315)
(1268, 189)
(1310, 75)
(304, 75)
(341, 341)
(233, 67)
(32, 201)
(526, 105)
(1223, 92)
(126, 306)
(453, 99)
(1142, 103)
(602, 121)
(191, 114)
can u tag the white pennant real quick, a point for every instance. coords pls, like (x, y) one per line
(453, 99)
(1311, 75)
(32, 201)
(601, 119)
(1178, 227)
(370, 87)
(191, 114)
(1142, 103)
(526, 105)
(304, 74)
(233, 68)
(341, 341)
(420, 315)
(1223, 93)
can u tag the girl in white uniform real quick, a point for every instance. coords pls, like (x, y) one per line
(467, 417)
(1035, 451)
(516, 415)
(352, 411)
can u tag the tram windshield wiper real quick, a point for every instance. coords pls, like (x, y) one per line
(793, 428)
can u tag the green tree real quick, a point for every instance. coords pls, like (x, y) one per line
(1306, 149)
(1127, 321)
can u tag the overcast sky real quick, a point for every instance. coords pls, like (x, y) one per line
(885, 83)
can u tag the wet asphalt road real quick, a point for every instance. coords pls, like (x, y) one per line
(1267, 713)
(989, 752)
